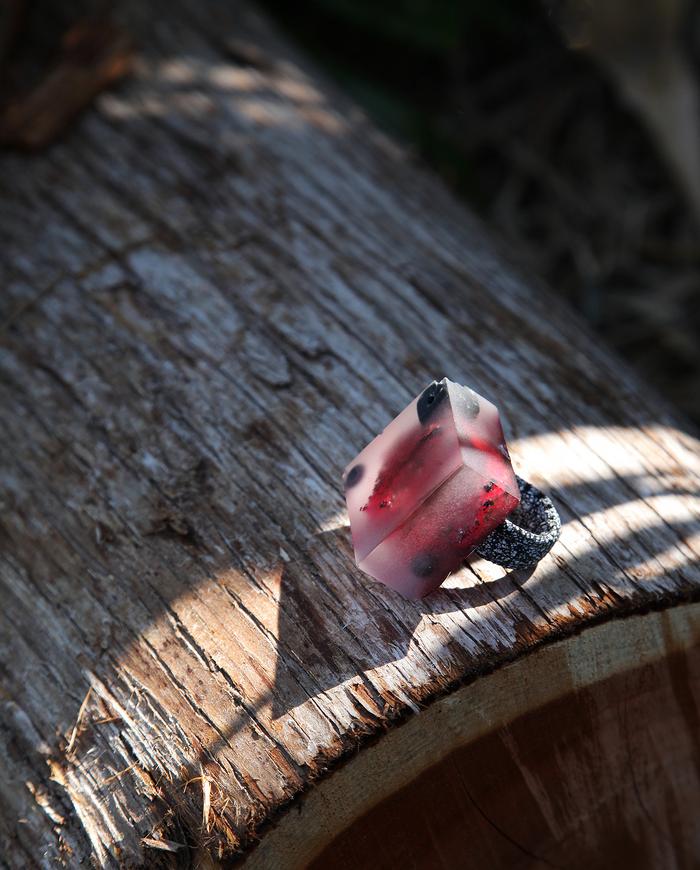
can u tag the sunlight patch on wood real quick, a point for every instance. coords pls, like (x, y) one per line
(553, 458)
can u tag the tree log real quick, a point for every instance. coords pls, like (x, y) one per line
(216, 289)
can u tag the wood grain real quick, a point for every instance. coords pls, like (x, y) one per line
(216, 290)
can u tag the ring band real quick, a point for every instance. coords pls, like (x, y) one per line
(527, 534)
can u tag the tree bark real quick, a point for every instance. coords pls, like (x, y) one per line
(216, 289)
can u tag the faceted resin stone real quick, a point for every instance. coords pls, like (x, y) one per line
(429, 488)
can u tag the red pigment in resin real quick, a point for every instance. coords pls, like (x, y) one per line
(429, 488)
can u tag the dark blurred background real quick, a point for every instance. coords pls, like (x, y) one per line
(565, 129)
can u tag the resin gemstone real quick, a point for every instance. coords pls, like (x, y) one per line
(429, 489)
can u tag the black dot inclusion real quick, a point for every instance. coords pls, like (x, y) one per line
(430, 399)
(423, 564)
(354, 475)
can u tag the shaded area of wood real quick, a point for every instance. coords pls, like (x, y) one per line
(217, 288)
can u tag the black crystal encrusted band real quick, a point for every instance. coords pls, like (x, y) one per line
(527, 534)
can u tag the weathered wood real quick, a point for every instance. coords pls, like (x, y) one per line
(215, 291)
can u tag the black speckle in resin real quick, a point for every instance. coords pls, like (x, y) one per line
(430, 399)
(354, 476)
(423, 564)
(489, 486)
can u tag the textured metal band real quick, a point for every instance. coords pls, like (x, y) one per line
(527, 534)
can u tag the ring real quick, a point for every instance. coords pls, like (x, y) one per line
(436, 486)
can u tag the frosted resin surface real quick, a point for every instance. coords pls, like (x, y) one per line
(432, 485)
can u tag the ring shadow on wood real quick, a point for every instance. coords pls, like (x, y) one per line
(318, 646)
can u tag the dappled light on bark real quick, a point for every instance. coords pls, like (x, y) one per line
(191, 87)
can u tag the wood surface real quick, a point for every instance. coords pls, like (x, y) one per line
(215, 290)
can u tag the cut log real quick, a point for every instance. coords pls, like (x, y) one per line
(216, 289)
